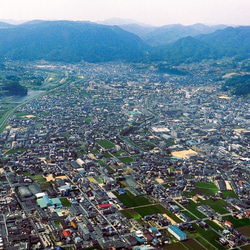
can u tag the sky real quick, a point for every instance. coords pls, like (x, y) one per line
(152, 12)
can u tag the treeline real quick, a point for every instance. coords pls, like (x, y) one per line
(11, 86)
(240, 85)
(14, 88)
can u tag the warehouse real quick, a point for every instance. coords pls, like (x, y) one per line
(177, 233)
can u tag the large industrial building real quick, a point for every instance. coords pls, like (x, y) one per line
(177, 233)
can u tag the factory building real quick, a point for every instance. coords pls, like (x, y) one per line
(177, 233)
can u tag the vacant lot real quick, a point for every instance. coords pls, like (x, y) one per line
(106, 144)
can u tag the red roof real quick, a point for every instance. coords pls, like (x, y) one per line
(66, 233)
(104, 205)
(228, 223)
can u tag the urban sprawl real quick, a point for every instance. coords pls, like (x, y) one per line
(121, 156)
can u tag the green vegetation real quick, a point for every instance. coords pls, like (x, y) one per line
(166, 69)
(106, 144)
(106, 166)
(126, 159)
(3, 179)
(239, 84)
(206, 188)
(57, 222)
(192, 208)
(130, 200)
(210, 236)
(14, 151)
(229, 194)
(217, 205)
(42, 181)
(214, 225)
(26, 173)
(237, 222)
(140, 212)
(65, 202)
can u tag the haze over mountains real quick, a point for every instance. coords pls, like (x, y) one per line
(70, 41)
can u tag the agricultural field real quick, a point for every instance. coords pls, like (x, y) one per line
(41, 180)
(237, 222)
(126, 159)
(245, 230)
(106, 144)
(130, 200)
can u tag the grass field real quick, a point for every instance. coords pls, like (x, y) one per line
(13, 151)
(192, 208)
(191, 244)
(214, 225)
(237, 222)
(126, 159)
(229, 194)
(42, 181)
(130, 200)
(217, 205)
(206, 188)
(65, 202)
(140, 212)
(106, 166)
(106, 144)
(210, 236)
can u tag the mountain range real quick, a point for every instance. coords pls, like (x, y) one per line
(69, 41)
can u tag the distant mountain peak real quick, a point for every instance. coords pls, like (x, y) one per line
(120, 21)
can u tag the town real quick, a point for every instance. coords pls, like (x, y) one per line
(122, 156)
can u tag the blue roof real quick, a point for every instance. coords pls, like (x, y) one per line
(154, 229)
(46, 199)
(177, 230)
(140, 239)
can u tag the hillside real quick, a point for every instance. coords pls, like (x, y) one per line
(70, 42)
(170, 33)
(230, 42)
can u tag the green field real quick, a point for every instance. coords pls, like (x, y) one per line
(13, 151)
(206, 188)
(126, 159)
(214, 225)
(106, 144)
(42, 181)
(130, 200)
(65, 202)
(192, 208)
(110, 170)
(217, 205)
(140, 212)
(229, 194)
(210, 236)
(237, 222)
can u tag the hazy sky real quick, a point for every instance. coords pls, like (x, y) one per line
(154, 12)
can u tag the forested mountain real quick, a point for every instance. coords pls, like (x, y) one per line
(239, 84)
(70, 42)
(171, 33)
(230, 42)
